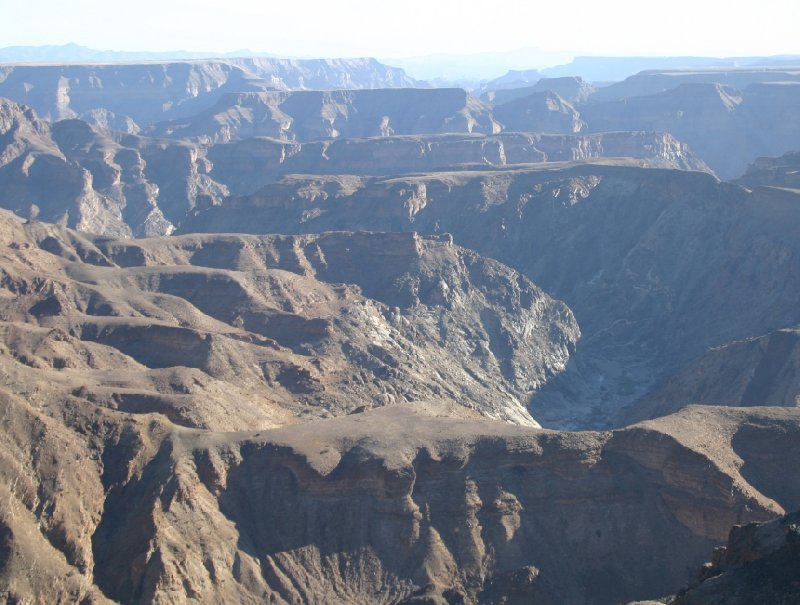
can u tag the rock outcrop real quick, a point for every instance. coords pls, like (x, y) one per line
(783, 171)
(297, 327)
(763, 371)
(658, 265)
(758, 566)
(149, 92)
(311, 115)
(575, 90)
(727, 127)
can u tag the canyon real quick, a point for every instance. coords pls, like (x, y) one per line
(313, 331)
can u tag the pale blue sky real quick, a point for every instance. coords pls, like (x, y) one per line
(409, 27)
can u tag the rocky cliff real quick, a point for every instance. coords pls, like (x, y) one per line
(311, 115)
(658, 265)
(107, 182)
(143, 92)
(292, 326)
(758, 566)
(753, 372)
(98, 181)
(147, 92)
(246, 166)
(783, 171)
(38, 180)
(398, 505)
(727, 127)
(653, 81)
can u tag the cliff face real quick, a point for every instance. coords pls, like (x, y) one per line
(657, 265)
(110, 94)
(144, 92)
(311, 115)
(758, 566)
(246, 166)
(97, 181)
(104, 182)
(753, 372)
(783, 171)
(38, 180)
(325, 74)
(540, 112)
(726, 127)
(293, 326)
(398, 505)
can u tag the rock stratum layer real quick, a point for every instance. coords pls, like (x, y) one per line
(297, 327)
(128, 96)
(758, 566)
(397, 505)
(727, 127)
(101, 181)
(658, 265)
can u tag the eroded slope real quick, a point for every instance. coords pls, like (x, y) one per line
(285, 326)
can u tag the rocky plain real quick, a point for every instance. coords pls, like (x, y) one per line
(312, 331)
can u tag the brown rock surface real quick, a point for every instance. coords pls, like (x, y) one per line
(104, 182)
(288, 326)
(758, 566)
(658, 265)
(387, 506)
(153, 394)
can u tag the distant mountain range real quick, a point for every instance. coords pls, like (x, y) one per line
(464, 70)
(75, 53)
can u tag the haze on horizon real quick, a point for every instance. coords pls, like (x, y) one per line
(412, 28)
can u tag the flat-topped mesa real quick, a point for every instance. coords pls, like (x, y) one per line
(407, 503)
(245, 166)
(653, 81)
(325, 74)
(311, 115)
(140, 91)
(153, 91)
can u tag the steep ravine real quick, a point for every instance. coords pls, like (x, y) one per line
(657, 265)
